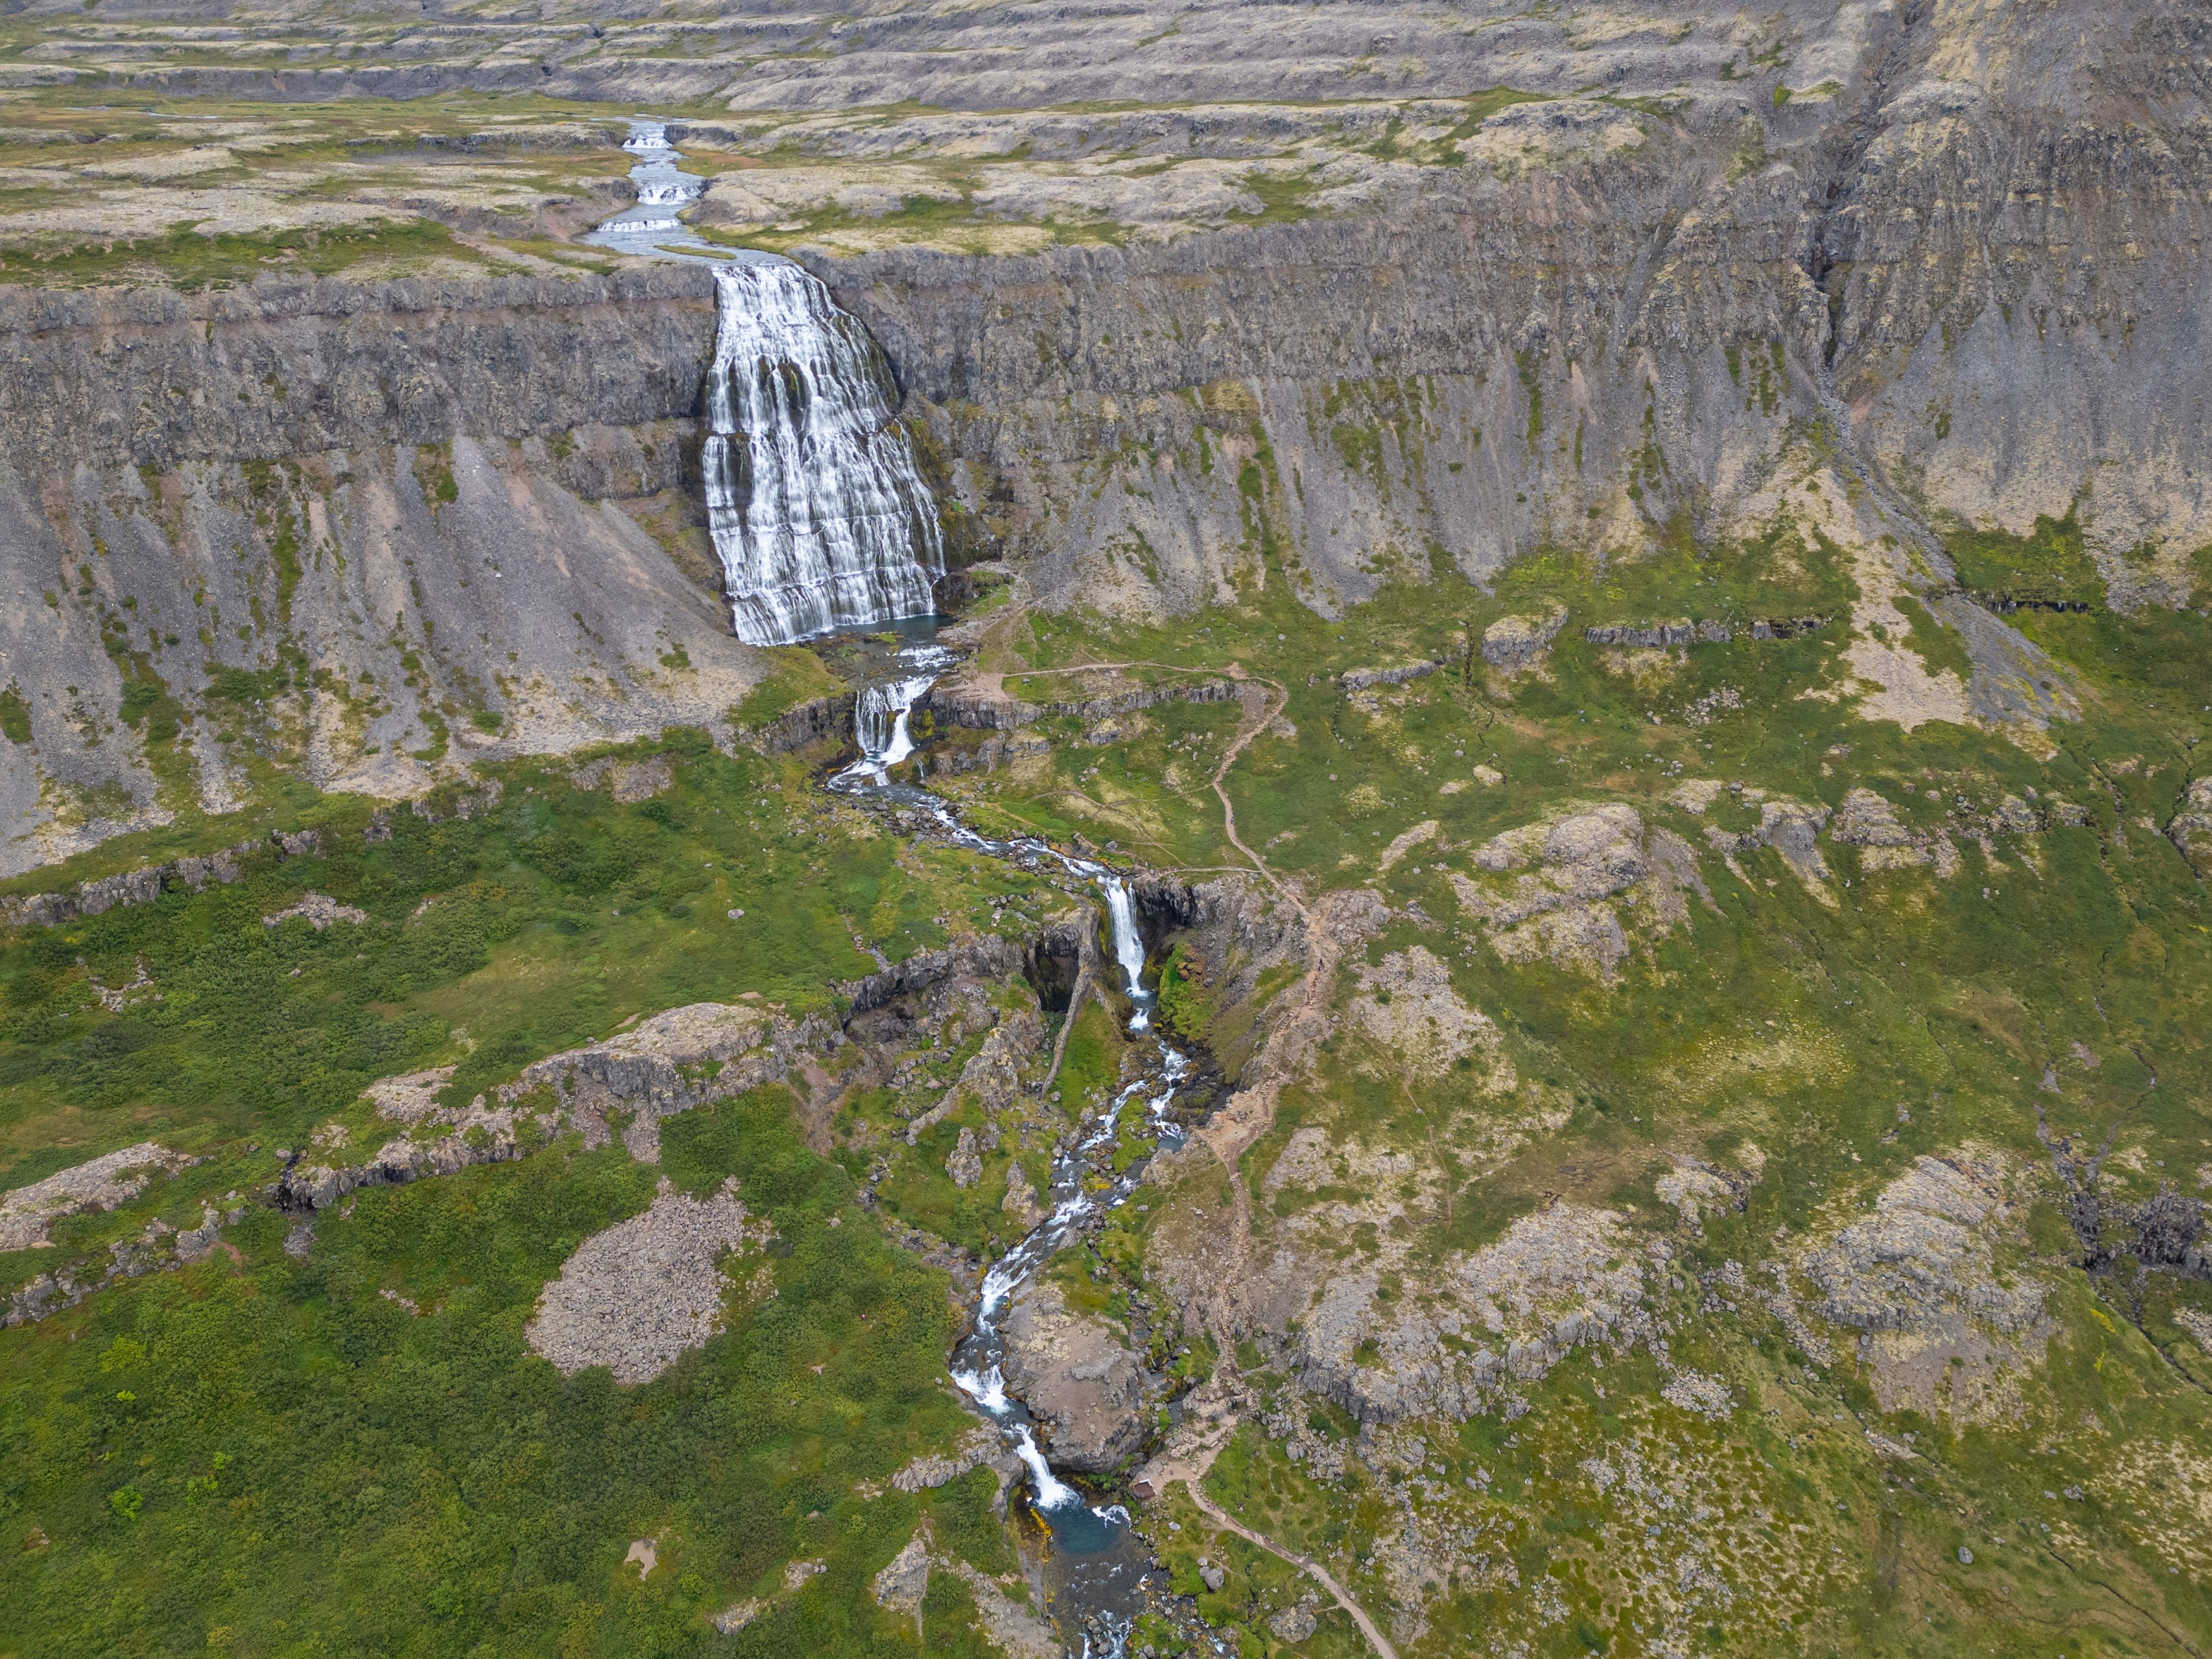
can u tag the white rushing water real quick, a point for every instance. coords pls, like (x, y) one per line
(817, 511)
(650, 227)
(882, 713)
(880, 727)
(816, 508)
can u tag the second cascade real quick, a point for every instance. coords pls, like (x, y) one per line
(881, 718)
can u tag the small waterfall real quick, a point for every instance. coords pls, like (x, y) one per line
(1106, 1573)
(1128, 948)
(652, 227)
(816, 508)
(881, 712)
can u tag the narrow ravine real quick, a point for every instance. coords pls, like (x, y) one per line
(1099, 1605)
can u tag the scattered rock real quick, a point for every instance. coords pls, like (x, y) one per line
(735, 1617)
(636, 1295)
(2191, 829)
(629, 781)
(1296, 1623)
(1011, 1628)
(1363, 679)
(1212, 1575)
(1021, 1205)
(900, 1587)
(97, 1185)
(965, 1166)
(1558, 891)
(1693, 1391)
(1407, 1004)
(1870, 823)
(139, 988)
(318, 910)
(1941, 1328)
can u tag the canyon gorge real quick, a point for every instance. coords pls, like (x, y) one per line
(1256, 828)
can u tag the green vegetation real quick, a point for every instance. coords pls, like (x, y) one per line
(248, 1456)
(799, 677)
(1847, 1023)
(188, 260)
(2048, 565)
(261, 1439)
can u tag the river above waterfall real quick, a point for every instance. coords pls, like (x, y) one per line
(652, 227)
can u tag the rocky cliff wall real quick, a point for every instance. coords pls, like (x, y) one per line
(1998, 310)
(361, 531)
(345, 527)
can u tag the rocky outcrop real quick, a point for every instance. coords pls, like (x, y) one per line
(1665, 635)
(99, 1184)
(1516, 644)
(900, 1586)
(1571, 889)
(1575, 321)
(627, 781)
(1366, 679)
(957, 701)
(1659, 635)
(628, 1084)
(664, 1065)
(1942, 1328)
(1870, 823)
(447, 1144)
(1485, 1324)
(818, 719)
(318, 910)
(981, 1447)
(972, 956)
(2191, 829)
(1407, 1004)
(144, 885)
(155, 1247)
(1089, 1393)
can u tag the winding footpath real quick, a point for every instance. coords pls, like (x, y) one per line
(1232, 1131)
(1313, 1570)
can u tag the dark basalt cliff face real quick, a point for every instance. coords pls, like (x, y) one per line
(148, 377)
(364, 531)
(1964, 278)
(1997, 315)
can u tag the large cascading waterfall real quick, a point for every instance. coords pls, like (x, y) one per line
(817, 507)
